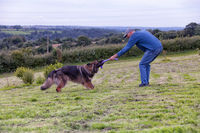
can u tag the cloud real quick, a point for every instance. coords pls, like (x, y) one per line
(99, 12)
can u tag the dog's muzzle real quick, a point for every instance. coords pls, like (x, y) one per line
(100, 64)
(43, 88)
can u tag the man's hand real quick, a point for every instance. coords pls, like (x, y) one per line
(113, 57)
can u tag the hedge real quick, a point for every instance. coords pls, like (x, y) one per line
(9, 62)
(95, 53)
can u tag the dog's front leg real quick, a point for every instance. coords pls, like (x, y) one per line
(58, 89)
(60, 86)
(89, 85)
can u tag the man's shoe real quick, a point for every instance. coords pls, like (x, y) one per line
(143, 85)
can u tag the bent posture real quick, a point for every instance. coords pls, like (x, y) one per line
(149, 44)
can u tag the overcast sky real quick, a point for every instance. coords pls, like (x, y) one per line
(152, 13)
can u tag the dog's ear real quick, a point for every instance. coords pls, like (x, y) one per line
(100, 61)
(90, 65)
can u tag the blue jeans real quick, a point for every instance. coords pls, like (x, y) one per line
(145, 66)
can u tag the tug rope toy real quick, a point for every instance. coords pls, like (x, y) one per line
(106, 61)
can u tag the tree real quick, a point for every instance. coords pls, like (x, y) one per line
(17, 27)
(190, 29)
(3, 27)
(18, 58)
(58, 54)
(115, 40)
(83, 41)
(155, 31)
(180, 33)
(43, 49)
(69, 39)
(197, 30)
(5, 43)
(58, 40)
(16, 40)
(13, 41)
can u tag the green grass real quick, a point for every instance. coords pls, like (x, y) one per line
(170, 105)
(16, 32)
(24, 32)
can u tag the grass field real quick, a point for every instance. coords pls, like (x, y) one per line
(117, 104)
(24, 32)
(16, 32)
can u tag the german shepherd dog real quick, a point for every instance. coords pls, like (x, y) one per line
(78, 74)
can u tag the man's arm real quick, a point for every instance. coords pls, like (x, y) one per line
(128, 46)
(113, 57)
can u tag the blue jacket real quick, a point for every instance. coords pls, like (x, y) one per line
(144, 40)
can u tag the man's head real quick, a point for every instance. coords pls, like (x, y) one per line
(128, 33)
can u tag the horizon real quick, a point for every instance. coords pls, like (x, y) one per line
(97, 26)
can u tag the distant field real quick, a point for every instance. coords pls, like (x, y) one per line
(23, 32)
(117, 104)
(16, 32)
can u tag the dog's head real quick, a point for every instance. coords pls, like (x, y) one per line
(93, 67)
(49, 81)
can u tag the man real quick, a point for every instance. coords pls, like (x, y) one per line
(151, 47)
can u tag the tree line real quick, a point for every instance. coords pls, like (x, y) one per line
(70, 38)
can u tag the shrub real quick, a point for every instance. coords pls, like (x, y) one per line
(51, 67)
(198, 51)
(40, 80)
(6, 63)
(20, 72)
(18, 57)
(28, 77)
(25, 74)
(57, 53)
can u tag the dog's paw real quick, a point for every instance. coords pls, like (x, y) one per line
(91, 88)
(58, 90)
